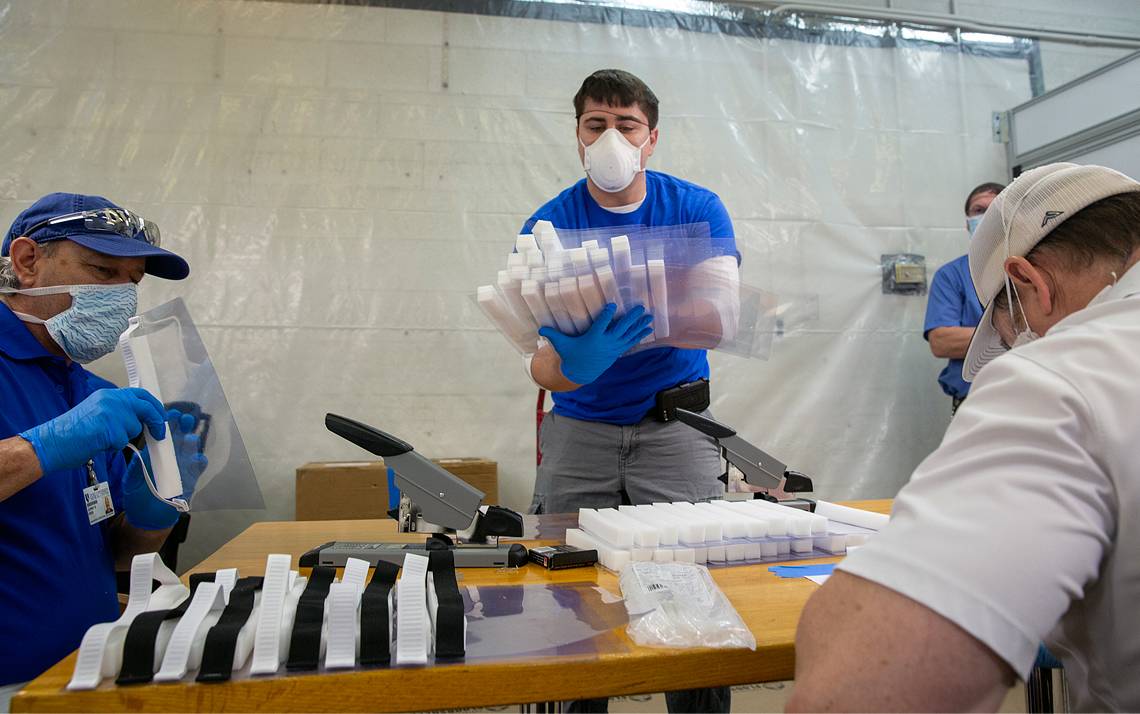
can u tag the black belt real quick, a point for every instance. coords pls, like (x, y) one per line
(449, 640)
(221, 640)
(305, 642)
(693, 396)
(375, 633)
(139, 644)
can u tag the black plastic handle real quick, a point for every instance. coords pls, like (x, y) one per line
(705, 425)
(366, 437)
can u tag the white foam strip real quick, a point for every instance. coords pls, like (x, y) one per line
(663, 555)
(526, 244)
(558, 310)
(854, 516)
(274, 589)
(609, 287)
(733, 525)
(802, 545)
(101, 650)
(714, 530)
(639, 293)
(684, 555)
(495, 307)
(547, 237)
(817, 523)
(413, 628)
(656, 270)
(756, 526)
(595, 523)
(832, 543)
(574, 304)
(590, 245)
(209, 598)
(736, 552)
(666, 527)
(642, 555)
(645, 535)
(623, 256)
(511, 288)
(591, 294)
(343, 631)
(688, 531)
(535, 299)
(795, 525)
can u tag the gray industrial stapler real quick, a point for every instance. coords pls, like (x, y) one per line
(760, 469)
(432, 501)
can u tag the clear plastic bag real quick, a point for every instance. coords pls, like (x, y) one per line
(679, 605)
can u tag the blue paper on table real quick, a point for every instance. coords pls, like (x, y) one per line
(801, 571)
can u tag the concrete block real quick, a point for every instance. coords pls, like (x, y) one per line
(357, 65)
(490, 72)
(258, 61)
(166, 58)
(67, 56)
(414, 27)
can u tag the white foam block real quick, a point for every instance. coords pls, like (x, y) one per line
(663, 555)
(511, 288)
(666, 528)
(623, 256)
(535, 299)
(645, 535)
(755, 527)
(594, 523)
(575, 305)
(609, 287)
(714, 527)
(495, 307)
(733, 525)
(526, 244)
(558, 310)
(659, 294)
(689, 531)
(816, 524)
(591, 294)
(608, 556)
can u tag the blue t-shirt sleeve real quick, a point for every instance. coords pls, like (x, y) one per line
(720, 226)
(944, 306)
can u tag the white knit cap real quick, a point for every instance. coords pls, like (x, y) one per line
(1035, 203)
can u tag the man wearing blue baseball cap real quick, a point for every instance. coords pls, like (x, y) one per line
(69, 272)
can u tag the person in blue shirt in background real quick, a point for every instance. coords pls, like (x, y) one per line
(69, 274)
(600, 446)
(953, 310)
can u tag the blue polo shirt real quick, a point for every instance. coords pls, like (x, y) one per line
(626, 392)
(953, 302)
(57, 572)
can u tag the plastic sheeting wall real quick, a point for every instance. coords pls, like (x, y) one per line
(340, 179)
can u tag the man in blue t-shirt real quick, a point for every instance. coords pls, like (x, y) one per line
(600, 446)
(953, 310)
(72, 509)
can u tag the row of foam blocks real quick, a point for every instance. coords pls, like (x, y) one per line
(719, 532)
(222, 622)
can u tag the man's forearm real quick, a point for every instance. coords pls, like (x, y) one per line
(129, 541)
(950, 342)
(546, 370)
(19, 466)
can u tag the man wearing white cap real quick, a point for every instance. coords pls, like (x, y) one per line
(1024, 525)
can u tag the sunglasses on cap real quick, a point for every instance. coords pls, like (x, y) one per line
(107, 220)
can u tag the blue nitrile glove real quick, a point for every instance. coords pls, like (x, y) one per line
(191, 462)
(143, 509)
(104, 421)
(586, 356)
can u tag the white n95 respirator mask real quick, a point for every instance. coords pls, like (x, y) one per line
(611, 161)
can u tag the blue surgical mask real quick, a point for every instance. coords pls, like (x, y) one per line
(972, 223)
(90, 328)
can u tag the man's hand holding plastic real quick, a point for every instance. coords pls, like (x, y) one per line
(586, 356)
(104, 421)
(143, 509)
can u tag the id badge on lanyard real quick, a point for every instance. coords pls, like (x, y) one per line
(97, 497)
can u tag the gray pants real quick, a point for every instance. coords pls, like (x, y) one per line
(593, 465)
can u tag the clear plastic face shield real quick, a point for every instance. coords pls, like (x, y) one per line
(687, 280)
(202, 464)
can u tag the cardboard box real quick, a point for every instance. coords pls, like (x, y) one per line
(347, 490)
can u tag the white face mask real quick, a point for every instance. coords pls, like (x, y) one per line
(1027, 335)
(611, 162)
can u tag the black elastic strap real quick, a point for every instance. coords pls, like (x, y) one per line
(138, 645)
(305, 642)
(375, 635)
(221, 640)
(449, 640)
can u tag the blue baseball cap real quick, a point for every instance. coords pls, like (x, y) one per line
(88, 233)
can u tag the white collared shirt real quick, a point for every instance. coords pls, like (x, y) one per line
(1024, 525)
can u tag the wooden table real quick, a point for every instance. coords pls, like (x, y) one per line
(769, 605)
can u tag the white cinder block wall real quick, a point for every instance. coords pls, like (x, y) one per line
(341, 178)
